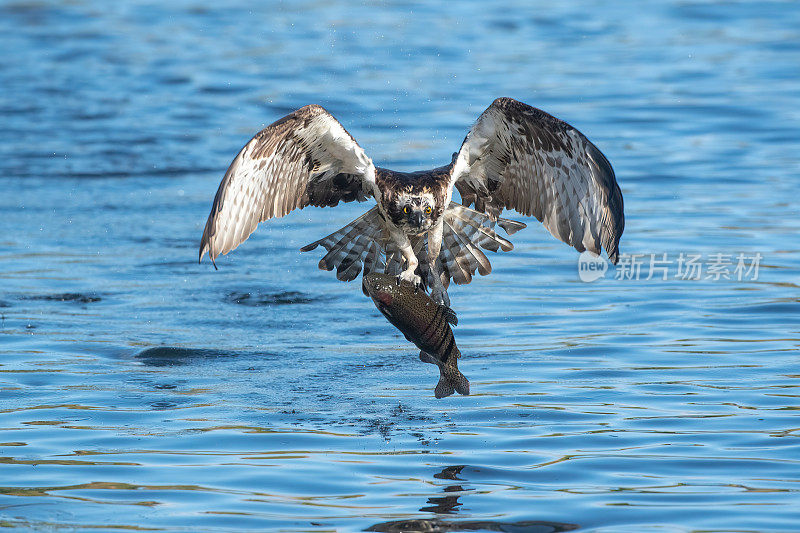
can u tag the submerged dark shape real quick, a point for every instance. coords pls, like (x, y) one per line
(423, 322)
(436, 525)
(175, 356)
(67, 297)
(256, 299)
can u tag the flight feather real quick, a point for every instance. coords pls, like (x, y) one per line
(305, 158)
(518, 157)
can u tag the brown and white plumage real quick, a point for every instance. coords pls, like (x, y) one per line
(519, 157)
(514, 157)
(306, 158)
(362, 244)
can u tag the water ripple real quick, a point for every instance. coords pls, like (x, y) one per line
(141, 391)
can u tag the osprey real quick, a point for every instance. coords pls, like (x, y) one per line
(514, 157)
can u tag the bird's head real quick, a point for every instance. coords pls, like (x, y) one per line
(413, 212)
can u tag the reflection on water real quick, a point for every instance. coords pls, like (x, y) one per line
(448, 504)
(140, 390)
(445, 504)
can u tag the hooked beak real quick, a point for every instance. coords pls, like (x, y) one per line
(417, 218)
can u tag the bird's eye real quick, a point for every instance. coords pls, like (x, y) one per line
(428, 210)
(406, 210)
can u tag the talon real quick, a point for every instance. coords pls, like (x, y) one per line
(397, 280)
(439, 295)
(410, 278)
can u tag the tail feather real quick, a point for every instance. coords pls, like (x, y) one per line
(453, 258)
(511, 226)
(476, 258)
(350, 244)
(394, 257)
(373, 260)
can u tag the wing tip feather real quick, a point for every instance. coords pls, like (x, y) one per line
(310, 246)
(613, 255)
(206, 247)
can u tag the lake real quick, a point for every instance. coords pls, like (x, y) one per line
(142, 390)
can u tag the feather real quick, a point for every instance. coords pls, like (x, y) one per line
(306, 158)
(478, 226)
(477, 259)
(349, 248)
(519, 157)
(457, 264)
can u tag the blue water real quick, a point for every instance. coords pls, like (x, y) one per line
(140, 390)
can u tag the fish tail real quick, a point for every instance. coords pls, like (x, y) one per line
(458, 380)
(450, 377)
(444, 388)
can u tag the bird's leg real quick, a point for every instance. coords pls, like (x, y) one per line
(438, 292)
(409, 275)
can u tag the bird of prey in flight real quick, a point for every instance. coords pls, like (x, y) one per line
(514, 157)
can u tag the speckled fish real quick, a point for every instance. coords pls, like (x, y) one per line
(423, 322)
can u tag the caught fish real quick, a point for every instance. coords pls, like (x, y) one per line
(423, 322)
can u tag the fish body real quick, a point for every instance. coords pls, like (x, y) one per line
(423, 322)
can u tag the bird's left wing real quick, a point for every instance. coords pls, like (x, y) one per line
(305, 158)
(519, 157)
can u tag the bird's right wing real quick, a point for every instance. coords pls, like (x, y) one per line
(305, 158)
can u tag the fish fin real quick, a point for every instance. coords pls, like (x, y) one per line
(450, 315)
(443, 388)
(450, 380)
(458, 380)
(461, 384)
(425, 357)
(511, 226)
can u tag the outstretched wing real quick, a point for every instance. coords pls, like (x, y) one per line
(519, 157)
(305, 158)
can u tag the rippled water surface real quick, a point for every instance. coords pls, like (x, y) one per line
(140, 390)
